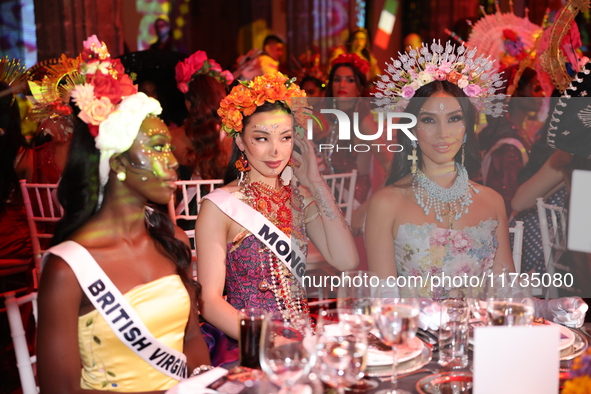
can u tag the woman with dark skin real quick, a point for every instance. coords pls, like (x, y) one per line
(134, 235)
(121, 159)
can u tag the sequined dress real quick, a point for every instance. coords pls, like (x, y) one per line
(427, 251)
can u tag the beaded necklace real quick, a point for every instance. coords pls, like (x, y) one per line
(277, 206)
(455, 199)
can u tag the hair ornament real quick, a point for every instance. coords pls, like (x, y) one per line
(244, 99)
(453, 63)
(196, 64)
(101, 86)
(354, 59)
(13, 74)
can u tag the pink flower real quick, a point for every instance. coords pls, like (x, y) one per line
(213, 65)
(440, 75)
(445, 67)
(83, 95)
(197, 60)
(90, 41)
(183, 87)
(183, 72)
(472, 90)
(431, 68)
(229, 77)
(97, 111)
(408, 92)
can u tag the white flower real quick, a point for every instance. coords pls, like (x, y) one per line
(463, 82)
(119, 130)
(415, 85)
(424, 78)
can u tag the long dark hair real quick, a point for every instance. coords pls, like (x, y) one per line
(11, 141)
(401, 166)
(232, 172)
(366, 51)
(78, 193)
(360, 79)
(203, 124)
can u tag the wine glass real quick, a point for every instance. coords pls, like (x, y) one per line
(478, 293)
(354, 304)
(286, 349)
(341, 353)
(510, 304)
(396, 315)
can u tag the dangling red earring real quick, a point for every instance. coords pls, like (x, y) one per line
(242, 167)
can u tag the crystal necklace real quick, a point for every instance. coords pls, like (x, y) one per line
(455, 199)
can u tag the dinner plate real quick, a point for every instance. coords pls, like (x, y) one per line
(567, 337)
(446, 382)
(405, 367)
(408, 351)
(576, 349)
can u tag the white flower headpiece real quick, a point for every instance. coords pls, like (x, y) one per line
(119, 130)
(455, 64)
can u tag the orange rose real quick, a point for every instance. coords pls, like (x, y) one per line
(454, 77)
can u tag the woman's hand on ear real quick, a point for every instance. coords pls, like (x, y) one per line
(306, 165)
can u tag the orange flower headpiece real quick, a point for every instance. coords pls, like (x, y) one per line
(244, 99)
(354, 59)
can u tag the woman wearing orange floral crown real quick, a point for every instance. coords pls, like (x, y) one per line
(251, 234)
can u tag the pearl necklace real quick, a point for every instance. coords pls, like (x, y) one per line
(456, 199)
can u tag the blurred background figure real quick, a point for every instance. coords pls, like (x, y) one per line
(202, 149)
(247, 66)
(358, 43)
(505, 142)
(412, 41)
(312, 86)
(149, 88)
(273, 50)
(14, 157)
(164, 40)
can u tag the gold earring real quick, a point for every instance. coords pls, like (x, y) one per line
(121, 175)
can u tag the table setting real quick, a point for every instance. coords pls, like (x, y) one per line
(381, 340)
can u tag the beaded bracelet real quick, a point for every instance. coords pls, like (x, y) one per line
(201, 369)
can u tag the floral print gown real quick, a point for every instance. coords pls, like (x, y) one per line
(427, 251)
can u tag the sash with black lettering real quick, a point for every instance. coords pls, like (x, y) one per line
(117, 312)
(276, 240)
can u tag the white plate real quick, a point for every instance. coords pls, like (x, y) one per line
(567, 337)
(377, 358)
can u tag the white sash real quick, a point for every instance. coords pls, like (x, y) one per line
(276, 240)
(117, 312)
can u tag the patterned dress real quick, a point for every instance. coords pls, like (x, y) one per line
(428, 251)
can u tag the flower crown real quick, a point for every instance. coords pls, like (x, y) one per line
(354, 59)
(455, 64)
(198, 63)
(244, 99)
(101, 85)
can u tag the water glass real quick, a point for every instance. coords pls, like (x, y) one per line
(287, 349)
(510, 305)
(396, 318)
(251, 326)
(453, 334)
(341, 353)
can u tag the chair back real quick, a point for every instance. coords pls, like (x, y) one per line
(553, 230)
(181, 210)
(342, 187)
(517, 232)
(43, 211)
(24, 360)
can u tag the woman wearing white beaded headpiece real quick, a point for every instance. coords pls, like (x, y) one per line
(433, 221)
(430, 218)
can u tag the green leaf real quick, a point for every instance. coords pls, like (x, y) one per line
(89, 322)
(104, 384)
(112, 374)
(96, 339)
